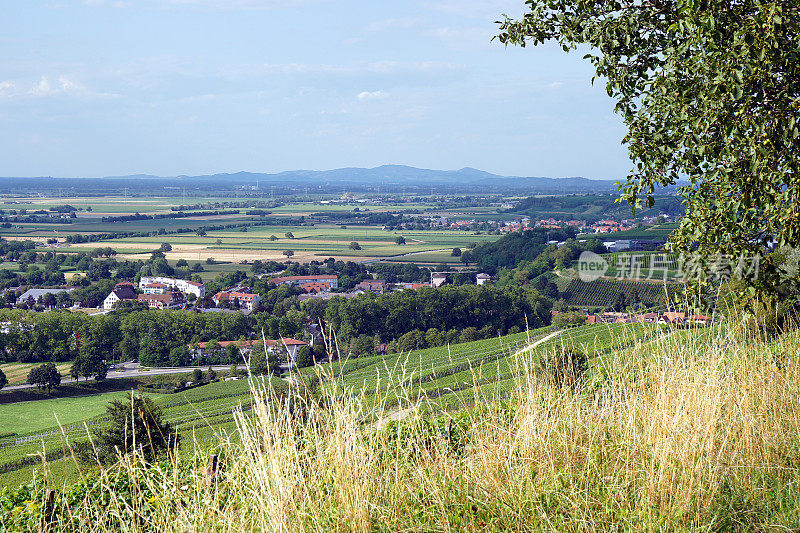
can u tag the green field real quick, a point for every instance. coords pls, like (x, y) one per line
(447, 376)
(27, 417)
(240, 244)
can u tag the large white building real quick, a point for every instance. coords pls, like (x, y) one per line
(187, 287)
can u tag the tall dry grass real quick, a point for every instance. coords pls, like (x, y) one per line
(672, 434)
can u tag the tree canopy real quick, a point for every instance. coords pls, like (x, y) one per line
(710, 93)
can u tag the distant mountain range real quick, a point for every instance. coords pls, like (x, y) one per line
(387, 178)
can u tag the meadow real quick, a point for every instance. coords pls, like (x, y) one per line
(45, 426)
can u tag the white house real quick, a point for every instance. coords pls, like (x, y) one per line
(122, 291)
(483, 279)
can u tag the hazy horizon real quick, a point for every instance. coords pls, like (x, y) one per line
(93, 88)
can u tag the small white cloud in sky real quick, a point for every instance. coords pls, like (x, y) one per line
(6, 88)
(63, 85)
(371, 95)
(42, 88)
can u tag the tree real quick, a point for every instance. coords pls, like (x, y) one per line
(182, 263)
(288, 253)
(355, 246)
(165, 247)
(620, 303)
(233, 354)
(135, 426)
(400, 240)
(456, 252)
(3, 380)
(45, 375)
(200, 232)
(260, 363)
(211, 375)
(289, 235)
(197, 375)
(305, 357)
(708, 92)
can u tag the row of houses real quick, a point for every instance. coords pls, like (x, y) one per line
(668, 317)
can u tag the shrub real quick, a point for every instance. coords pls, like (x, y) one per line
(135, 426)
(565, 367)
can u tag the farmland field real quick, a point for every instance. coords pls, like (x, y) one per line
(248, 240)
(25, 417)
(17, 373)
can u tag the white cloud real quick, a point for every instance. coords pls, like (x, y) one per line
(467, 38)
(372, 95)
(43, 88)
(62, 86)
(6, 88)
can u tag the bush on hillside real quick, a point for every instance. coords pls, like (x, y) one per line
(135, 426)
(564, 368)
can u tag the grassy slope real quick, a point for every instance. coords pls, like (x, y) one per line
(691, 431)
(25, 417)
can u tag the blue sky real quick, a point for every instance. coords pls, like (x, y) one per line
(112, 87)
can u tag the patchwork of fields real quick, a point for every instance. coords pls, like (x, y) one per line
(240, 244)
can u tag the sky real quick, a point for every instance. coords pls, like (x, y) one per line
(93, 88)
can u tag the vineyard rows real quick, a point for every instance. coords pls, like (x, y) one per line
(604, 292)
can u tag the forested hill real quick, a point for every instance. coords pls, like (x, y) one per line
(517, 246)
